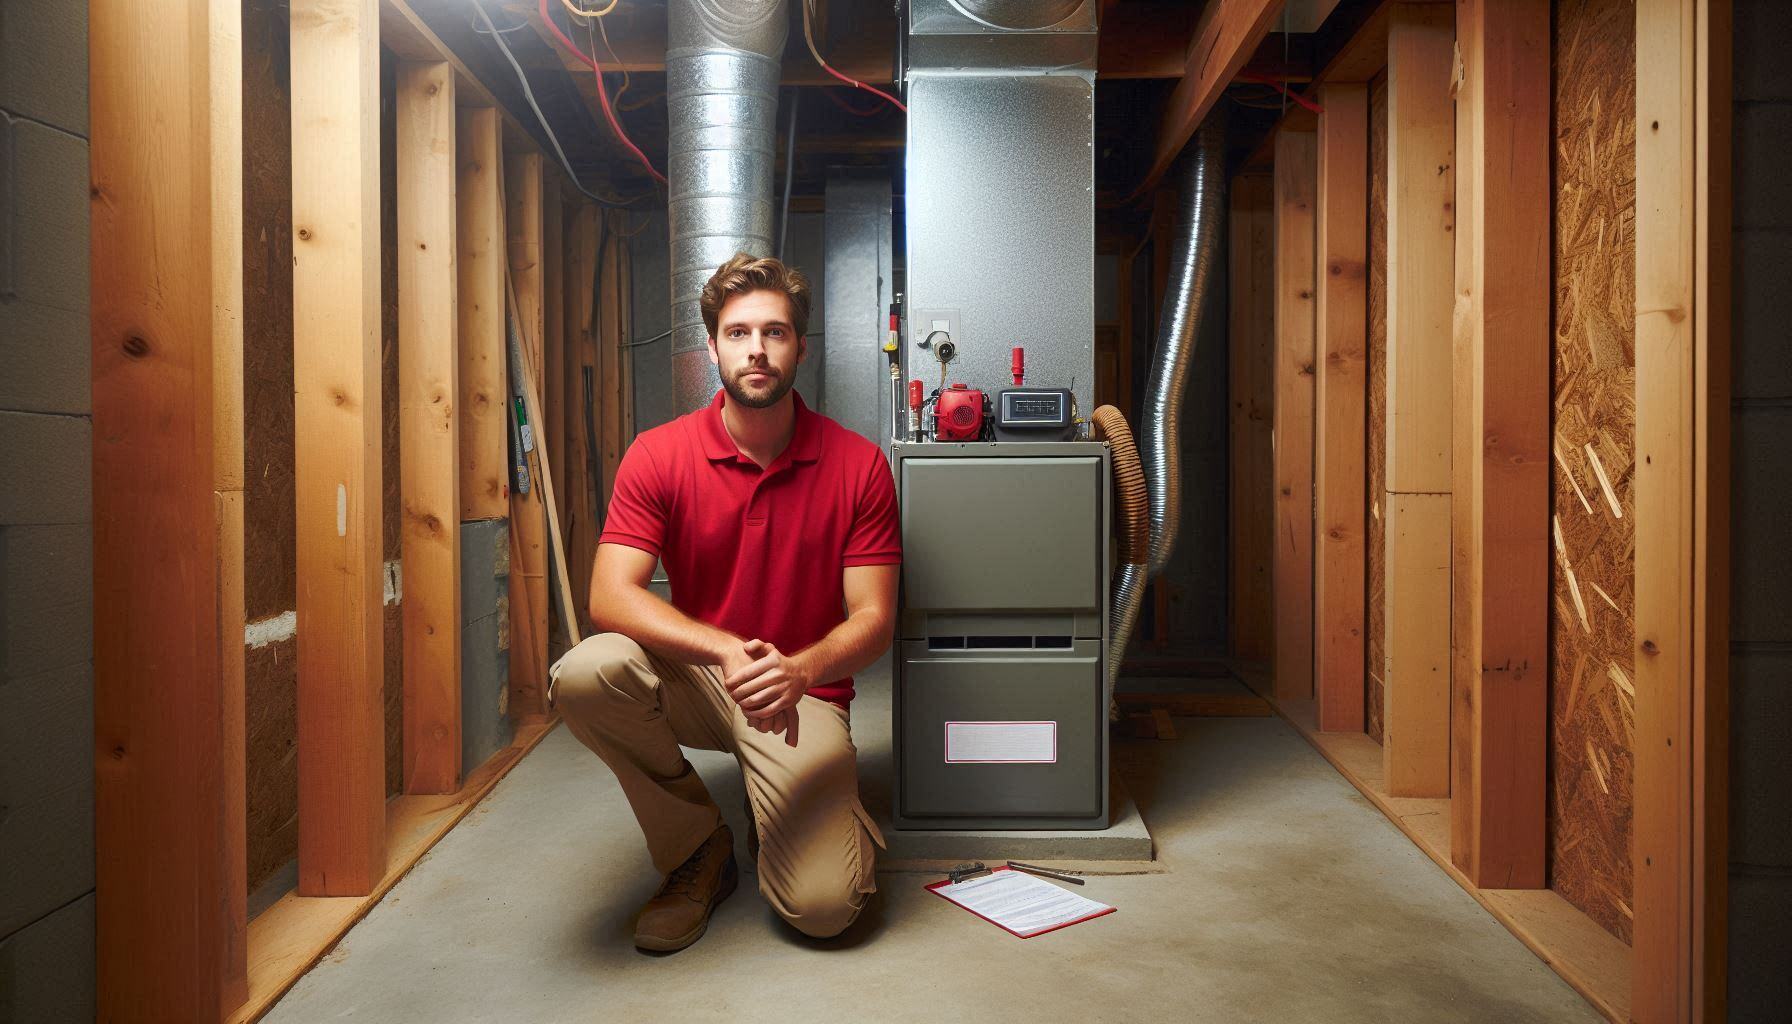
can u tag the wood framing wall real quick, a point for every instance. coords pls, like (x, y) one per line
(310, 196)
(1563, 445)
(1593, 692)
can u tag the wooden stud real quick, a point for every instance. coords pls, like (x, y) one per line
(1500, 463)
(228, 444)
(1682, 520)
(1421, 247)
(479, 267)
(166, 253)
(1416, 506)
(610, 374)
(574, 497)
(429, 426)
(1224, 40)
(1341, 396)
(1252, 347)
(1296, 174)
(528, 512)
(523, 228)
(336, 471)
(1712, 495)
(554, 380)
(1415, 737)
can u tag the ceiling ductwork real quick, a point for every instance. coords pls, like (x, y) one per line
(723, 63)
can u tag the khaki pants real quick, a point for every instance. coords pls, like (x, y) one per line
(634, 709)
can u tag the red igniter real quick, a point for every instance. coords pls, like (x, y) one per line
(1018, 366)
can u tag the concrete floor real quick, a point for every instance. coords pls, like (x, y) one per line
(1279, 895)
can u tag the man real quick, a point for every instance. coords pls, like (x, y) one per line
(778, 530)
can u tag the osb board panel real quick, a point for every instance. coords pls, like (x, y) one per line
(1592, 699)
(1375, 547)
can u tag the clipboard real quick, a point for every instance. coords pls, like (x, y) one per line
(1084, 908)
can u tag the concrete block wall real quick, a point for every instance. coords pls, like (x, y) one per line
(46, 531)
(1760, 918)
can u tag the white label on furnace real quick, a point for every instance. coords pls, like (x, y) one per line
(1002, 742)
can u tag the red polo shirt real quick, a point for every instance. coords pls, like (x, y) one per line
(758, 552)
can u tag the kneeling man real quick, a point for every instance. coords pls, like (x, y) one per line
(778, 531)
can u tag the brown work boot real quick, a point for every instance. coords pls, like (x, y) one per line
(679, 912)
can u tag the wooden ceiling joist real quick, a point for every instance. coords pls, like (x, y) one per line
(1225, 39)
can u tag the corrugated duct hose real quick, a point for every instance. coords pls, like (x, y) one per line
(1200, 207)
(1133, 520)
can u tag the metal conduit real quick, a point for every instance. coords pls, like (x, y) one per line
(723, 61)
(1201, 206)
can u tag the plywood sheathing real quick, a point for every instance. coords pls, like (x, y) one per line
(1592, 701)
(1375, 546)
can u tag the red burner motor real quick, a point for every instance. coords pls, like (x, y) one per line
(959, 414)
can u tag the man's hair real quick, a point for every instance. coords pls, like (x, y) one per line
(743, 274)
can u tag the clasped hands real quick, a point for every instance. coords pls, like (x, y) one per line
(767, 684)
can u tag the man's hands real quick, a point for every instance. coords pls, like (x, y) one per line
(767, 684)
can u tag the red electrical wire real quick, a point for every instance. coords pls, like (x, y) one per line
(1284, 90)
(603, 97)
(850, 109)
(855, 83)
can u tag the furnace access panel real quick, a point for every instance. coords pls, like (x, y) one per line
(1002, 636)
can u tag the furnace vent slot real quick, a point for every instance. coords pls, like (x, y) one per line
(1005, 642)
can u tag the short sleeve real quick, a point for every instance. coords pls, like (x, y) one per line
(639, 508)
(875, 537)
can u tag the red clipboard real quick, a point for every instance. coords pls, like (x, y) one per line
(937, 886)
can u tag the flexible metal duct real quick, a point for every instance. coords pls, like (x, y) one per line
(1201, 207)
(723, 60)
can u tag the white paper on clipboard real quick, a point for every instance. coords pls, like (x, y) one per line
(1023, 904)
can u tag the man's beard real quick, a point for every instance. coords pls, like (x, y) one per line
(780, 386)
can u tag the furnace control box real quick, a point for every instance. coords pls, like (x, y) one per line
(1001, 639)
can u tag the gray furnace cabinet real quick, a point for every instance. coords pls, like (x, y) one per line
(1001, 636)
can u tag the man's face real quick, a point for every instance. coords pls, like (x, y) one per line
(755, 349)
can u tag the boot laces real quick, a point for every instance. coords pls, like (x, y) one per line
(683, 878)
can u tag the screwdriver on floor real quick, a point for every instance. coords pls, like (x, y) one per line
(1034, 869)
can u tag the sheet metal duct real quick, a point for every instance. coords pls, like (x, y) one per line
(1200, 208)
(1000, 190)
(858, 282)
(723, 61)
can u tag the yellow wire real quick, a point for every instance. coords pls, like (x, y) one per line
(581, 12)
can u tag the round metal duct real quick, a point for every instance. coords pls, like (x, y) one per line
(1018, 15)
